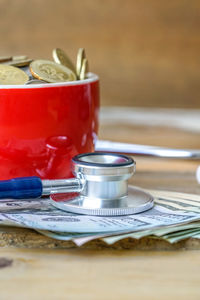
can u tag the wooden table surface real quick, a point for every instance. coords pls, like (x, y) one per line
(37, 267)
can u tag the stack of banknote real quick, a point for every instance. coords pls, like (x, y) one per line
(174, 217)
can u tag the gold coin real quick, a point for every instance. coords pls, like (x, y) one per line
(19, 63)
(12, 75)
(79, 62)
(5, 58)
(19, 57)
(51, 72)
(60, 57)
(84, 69)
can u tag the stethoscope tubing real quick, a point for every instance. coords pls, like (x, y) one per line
(145, 150)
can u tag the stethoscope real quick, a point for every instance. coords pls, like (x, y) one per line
(100, 187)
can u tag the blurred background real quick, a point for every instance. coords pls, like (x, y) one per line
(146, 52)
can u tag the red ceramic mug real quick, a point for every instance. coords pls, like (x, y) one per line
(43, 126)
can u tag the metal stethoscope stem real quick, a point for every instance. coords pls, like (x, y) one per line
(56, 186)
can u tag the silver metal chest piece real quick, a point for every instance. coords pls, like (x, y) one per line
(101, 187)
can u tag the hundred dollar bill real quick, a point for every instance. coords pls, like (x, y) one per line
(46, 217)
(162, 233)
(40, 215)
(178, 236)
(81, 238)
(172, 200)
(110, 238)
(196, 236)
(177, 201)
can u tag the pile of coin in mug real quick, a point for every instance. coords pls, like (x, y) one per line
(22, 70)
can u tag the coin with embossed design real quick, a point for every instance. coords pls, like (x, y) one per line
(80, 56)
(12, 75)
(19, 63)
(84, 69)
(19, 57)
(11, 59)
(5, 58)
(61, 57)
(51, 72)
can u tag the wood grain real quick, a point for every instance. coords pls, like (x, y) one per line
(88, 274)
(145, 52)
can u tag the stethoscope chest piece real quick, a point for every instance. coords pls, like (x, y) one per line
(101, 187)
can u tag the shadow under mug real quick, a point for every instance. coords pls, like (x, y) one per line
(43, 126)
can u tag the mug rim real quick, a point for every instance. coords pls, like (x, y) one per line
(92, 77)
